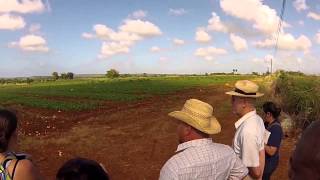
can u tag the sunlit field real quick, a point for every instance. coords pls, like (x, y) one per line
(80, 94)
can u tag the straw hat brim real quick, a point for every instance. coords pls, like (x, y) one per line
(233, 93)
(214, 127)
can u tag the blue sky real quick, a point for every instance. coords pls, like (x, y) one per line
(140, 36)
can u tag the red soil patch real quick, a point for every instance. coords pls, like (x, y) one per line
(133, 140)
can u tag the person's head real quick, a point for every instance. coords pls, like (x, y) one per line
(243, 97)
(187, 133)
(271, 110)
(305, 160)
(242, 105)
(8, 126)
(81, 169)
(195, 121)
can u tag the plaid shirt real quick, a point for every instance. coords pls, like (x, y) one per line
(202, 159)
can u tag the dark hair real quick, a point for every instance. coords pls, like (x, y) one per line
(8, 124)
(81, 169)
(271, 108)
(305, 159)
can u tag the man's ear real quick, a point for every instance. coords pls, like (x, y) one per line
(187, 129)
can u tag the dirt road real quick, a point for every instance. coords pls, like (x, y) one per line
(132, 140)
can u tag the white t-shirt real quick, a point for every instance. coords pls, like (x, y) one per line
(249, 138)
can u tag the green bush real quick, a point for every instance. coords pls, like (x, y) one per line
(299, 96)
(112, 73)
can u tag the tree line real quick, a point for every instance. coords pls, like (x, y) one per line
(69, 75)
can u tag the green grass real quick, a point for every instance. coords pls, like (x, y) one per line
(89, 93)
(300, 96)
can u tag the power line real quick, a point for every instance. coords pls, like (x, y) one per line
(278, 31)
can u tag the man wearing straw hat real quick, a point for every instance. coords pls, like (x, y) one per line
(197, 157)
(248, 142)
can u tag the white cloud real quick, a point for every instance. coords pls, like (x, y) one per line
(287, 42)
(300, 5)
(139, 14)
(314, 16)
(177, 41)
(263, 61)
(202, 36)
(34, 28)
(210, 52)
(177, 12)
(11, 22)
(88, 35)
(31, 43)
(18, 6)
(155, 49)
(124, 37)
(102, 31)
(263, 17)
(120, 42)
(239, 44)
(142, 28)
(318, 37)
(112, 48)
(215, 24)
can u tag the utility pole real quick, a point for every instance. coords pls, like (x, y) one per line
(271, 65)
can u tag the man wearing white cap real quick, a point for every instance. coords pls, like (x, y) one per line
(197, 157)
(248, 142)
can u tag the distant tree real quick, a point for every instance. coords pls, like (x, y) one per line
(63, 76)
(55, 75)
(29, 80)
(70, 75)
(206, 74)
(234, 71)
(255, 73)
(112, 73)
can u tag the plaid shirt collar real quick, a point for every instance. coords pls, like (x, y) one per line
(193, 143)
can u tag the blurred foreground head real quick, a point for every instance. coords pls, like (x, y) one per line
(305, 160)
(8, 126)
(82, 169)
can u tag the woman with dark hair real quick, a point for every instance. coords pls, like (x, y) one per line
(272, 124)
(13, 166)
(82, 169)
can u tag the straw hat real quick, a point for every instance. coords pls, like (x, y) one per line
(246, 88)
(199, 115)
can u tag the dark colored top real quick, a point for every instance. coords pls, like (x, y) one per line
(274, 140)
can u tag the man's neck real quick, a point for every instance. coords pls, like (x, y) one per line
(246, 111)
(192, 138)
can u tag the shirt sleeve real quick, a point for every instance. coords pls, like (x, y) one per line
(275, 136)
(238, 169)
(167, 173)
(250, 150)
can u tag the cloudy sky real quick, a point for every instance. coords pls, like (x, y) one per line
(38, 37)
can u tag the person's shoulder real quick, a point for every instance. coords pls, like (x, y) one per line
(222, 146)
(222, 149)
(25, 165)
(171, 166)
(276, 127)
(26, 170)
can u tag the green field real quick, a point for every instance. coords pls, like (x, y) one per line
(81, 94)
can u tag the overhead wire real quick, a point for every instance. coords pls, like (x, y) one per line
(276, 47)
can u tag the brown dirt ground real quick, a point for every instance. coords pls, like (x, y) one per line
(133, 140)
